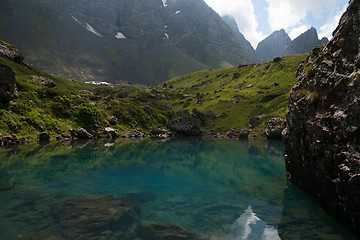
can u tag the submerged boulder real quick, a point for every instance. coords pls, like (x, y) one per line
(83, 217)
(322, 137)
(165, 231)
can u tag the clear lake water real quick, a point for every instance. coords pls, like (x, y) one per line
(218, 189)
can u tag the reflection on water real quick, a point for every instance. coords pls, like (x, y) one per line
(220, 189)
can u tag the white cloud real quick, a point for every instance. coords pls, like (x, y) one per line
(327, 29)
(295, 32)
(291, 14)
(244, 14)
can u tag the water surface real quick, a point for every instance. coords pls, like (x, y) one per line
(219, 189)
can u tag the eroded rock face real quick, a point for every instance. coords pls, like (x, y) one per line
(10, 52)
(7, 84)
(323, 128)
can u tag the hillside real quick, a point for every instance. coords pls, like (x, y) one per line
(43, 102)
(237, 95)
(119, 41)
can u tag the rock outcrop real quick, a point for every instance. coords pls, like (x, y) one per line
(7, 84)
(10, 52)
(274, 128)
(322, 137)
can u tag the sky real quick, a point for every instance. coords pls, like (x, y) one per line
(257, 19)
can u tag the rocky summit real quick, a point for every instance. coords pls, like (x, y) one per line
(322, 135)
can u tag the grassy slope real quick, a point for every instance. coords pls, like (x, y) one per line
(236, 94)
(73, 104)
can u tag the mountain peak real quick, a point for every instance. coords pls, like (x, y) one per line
(274, 45)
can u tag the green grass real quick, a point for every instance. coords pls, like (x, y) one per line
(236, 94)
(74, 104)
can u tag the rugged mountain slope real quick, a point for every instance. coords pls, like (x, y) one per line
(305, 42)
(144, 41)
(322, 136)
(279, 44)
(274, 45)
(32, 101)
(247, 49)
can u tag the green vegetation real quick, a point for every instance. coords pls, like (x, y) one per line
(73, 104)
(236, 94)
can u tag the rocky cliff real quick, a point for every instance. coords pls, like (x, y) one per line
(279, 44)
(273, 46)
(305, 42)
(323, 128)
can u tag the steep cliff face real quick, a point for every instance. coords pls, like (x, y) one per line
(305, 42)
(274, 45)
(322, 137)
(279, 44)
(246, 48)
(143, 41)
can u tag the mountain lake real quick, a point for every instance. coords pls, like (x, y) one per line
(217, 189)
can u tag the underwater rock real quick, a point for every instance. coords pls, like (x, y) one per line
(141, 196)
(47, 237)
(165, 231)
(91, 216)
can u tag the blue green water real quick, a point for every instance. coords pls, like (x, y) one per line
(219, 189)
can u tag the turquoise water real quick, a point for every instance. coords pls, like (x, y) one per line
(219, 189)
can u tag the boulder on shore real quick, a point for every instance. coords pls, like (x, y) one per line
(275, 128)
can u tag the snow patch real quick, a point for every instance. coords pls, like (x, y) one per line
(177, 12)
(98, 83)
(91, 29)
(164, 3)
(76, 20)
(120, 35)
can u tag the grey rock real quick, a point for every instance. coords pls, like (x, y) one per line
(322, 135)
(244, 134)
(275, 128)
(7, 84)
(44, 136)
(186, 126)
(113, 120)
(157, 231)
(81, 133)
(109, 132)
